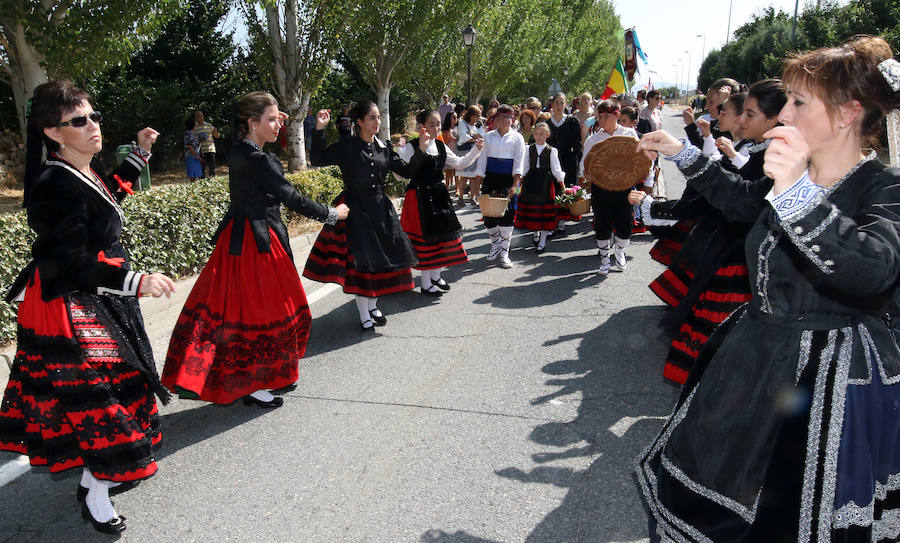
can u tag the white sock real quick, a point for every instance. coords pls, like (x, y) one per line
(362, 305)
(621, 243)
(603, 245)
(86, 478)
(373, 307)
(262, 395)
(543, 241)
(436, 276)
(426, 280)
(98, 502)
(506, 233)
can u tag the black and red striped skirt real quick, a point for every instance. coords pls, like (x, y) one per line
(671, 241)
(244, 326)
(431, 254)
(537, 216)
(71, 399)
(330, 261)
(727, 290)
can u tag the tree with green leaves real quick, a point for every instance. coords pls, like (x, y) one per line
(300, 37)
(53, 38)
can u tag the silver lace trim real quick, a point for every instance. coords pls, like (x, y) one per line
(867, 339)
(812, 445)
(805, 346)
(868, 347)
(763, 254)
(332, 217)
(757, 147)
(746, 513)
(802, 241)
(888, 526)
(252, 143)
(835, 428)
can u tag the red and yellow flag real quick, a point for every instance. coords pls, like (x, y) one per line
(617, 83)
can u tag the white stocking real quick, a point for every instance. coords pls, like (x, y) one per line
(362, 305)
(98, 502)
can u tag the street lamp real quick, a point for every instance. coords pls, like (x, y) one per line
(688, 78)
(469, 36)
(702, 51)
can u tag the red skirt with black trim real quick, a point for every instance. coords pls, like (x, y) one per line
(71, 399)
(244, 326)
(728, 289)
(671, 243)
(431, 254)
(330, 261)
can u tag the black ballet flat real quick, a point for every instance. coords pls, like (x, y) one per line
(369, 328)
(379, 320)
(284, 390)
(82, 492)
(275, 402)
(435, 293)
(443, 285)
(113, 526)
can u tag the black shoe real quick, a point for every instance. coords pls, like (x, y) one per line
(435, 293)
(443, 285)
(113, 526)
(379, 320)
(284, 390)
(539, 250)
(82, 492)
(275, 402)
(369, 328)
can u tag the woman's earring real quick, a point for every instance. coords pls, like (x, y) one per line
(62, 146)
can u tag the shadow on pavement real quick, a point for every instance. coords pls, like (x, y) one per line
(440, 536)
(607, 429)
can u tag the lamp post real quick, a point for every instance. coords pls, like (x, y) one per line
(688, 78)
(469, 36)
(702, 51)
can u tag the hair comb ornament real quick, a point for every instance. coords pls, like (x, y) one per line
(890, 69)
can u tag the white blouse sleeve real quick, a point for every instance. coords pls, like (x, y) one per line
(519, 154)
(407, 151)
(456, 162)
(709, 147)
(740, 160)
(588, 143)
(555, 167)
(482, 159)
(526, 167)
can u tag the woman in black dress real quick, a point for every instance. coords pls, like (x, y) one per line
(368, 253)
(249, 291)
(80, 393)
(786, 429)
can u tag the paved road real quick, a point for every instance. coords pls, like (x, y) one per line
(509, 410)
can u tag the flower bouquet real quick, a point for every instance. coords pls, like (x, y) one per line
(576, 199)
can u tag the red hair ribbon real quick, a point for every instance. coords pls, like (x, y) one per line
(124, 185)
(115, 261)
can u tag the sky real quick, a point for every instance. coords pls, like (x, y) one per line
(667, 29)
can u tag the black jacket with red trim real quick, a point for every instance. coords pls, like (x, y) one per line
(78, 221)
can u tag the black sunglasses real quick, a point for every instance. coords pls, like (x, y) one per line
(82, 120)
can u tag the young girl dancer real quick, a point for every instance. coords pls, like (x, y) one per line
(537, 207)
(368, 253)
(428, 217)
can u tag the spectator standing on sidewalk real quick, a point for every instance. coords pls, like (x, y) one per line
(206, 133)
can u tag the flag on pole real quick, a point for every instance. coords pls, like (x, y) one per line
(637, 46)
(617, 83)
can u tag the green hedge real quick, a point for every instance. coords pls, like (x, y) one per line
(168, 229)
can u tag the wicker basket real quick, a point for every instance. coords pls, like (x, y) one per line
(493, 207)
(579, 207)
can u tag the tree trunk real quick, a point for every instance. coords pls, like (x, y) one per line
(384, 107)
(26, 67)
(296, 136)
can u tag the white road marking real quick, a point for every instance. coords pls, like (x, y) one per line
(13, 470)
(625, 423)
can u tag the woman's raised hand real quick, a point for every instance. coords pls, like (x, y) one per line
(424, 139)
(146, 138)
(657, 142)
(688, 115)
(787, 156)
(704, 127)
(156, 284)
(635, 197)
(322, 119)
(342, 211)
(725, 146)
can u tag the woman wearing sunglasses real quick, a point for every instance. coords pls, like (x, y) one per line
(80, 393)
